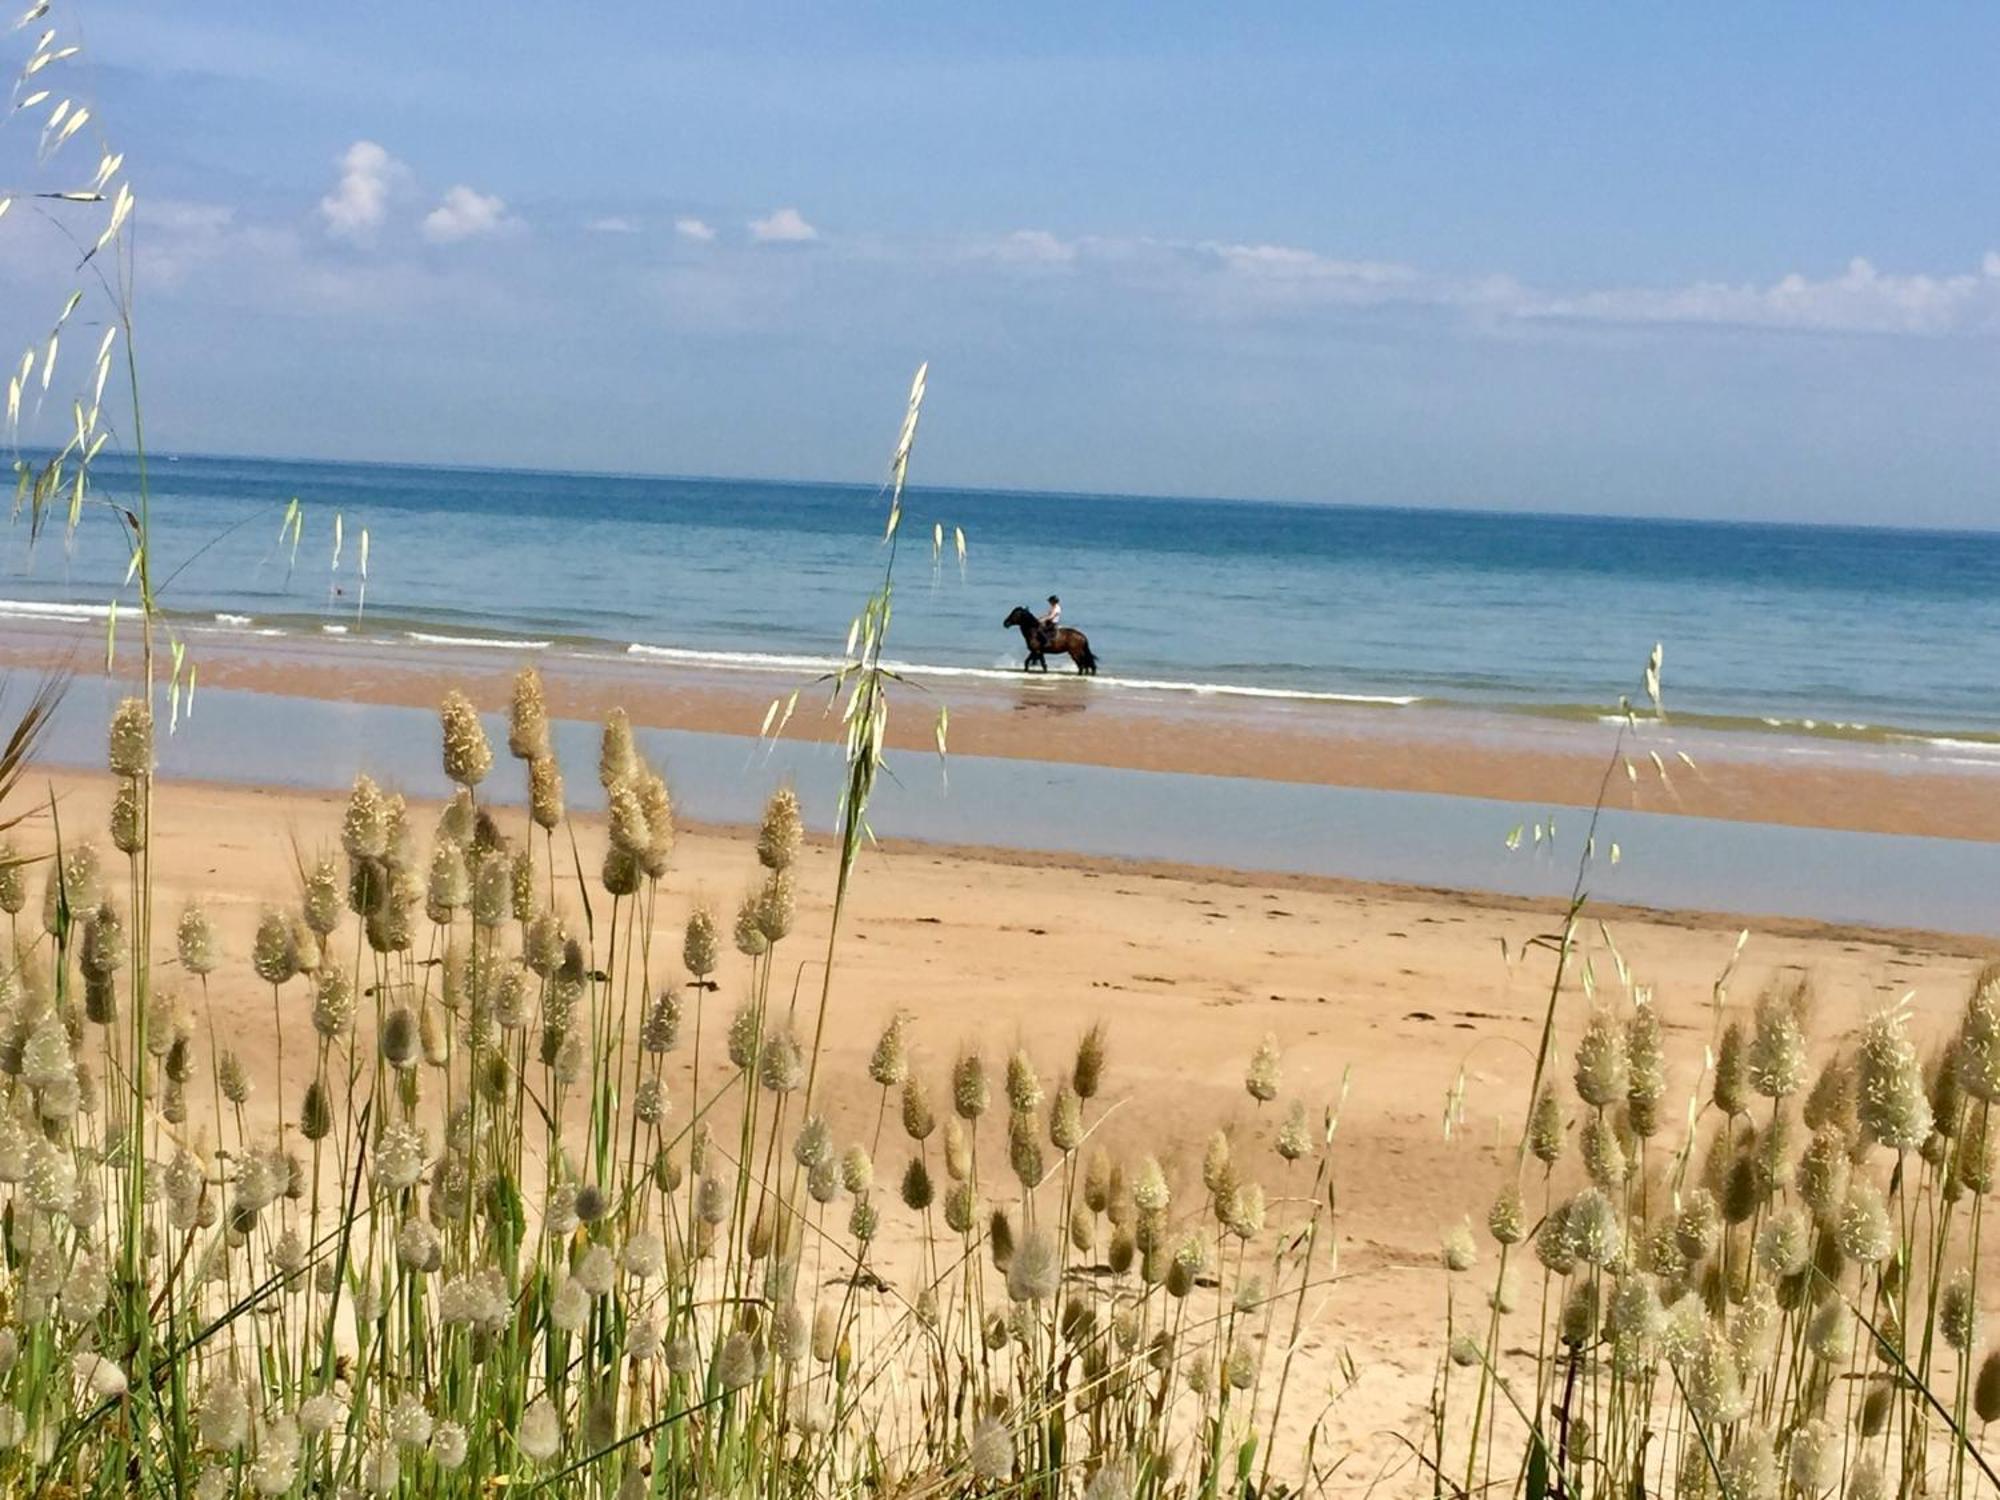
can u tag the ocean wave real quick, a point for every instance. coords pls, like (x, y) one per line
(227, 619)
(38, 609)
(497, 643)
(767, 661)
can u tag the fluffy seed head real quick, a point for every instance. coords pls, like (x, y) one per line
(1545, 1128)
(1458, 1250)
(969, 1092)
(1024, 1088)
(919, 1119)
(1035, 1273)
(545, 792)
(617, 755)
(130, 751)
(1507, 1220)
(782, 833)
(1986, 1389)
(1087, 1072)
(1777, 1056)
(128, 818)
(1958, 1313)
(1601, 1065)
(1891, 1103)
(467, 756)
(1864, 1231)
(1264, 1075)
(528, 717)
(1731, 1091)
(699, 946)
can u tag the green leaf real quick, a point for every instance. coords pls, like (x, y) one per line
(1538, 1468)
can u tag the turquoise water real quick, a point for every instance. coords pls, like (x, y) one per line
(1868, 633)
(1447, 842)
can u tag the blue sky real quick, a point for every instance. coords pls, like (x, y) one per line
(1718, 260)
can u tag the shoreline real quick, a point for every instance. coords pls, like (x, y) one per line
(1537, 763)
(900, 848)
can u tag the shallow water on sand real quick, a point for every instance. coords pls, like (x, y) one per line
(1458, 843)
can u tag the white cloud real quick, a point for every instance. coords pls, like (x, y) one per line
(1861, 299)
(359, 202)
(465, 214)
(786, 226)
(695, 229)
(612, 224)
(1033, 247)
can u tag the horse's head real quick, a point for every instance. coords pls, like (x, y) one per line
(1020, 616)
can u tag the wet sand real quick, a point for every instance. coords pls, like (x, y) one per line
(1536, 763)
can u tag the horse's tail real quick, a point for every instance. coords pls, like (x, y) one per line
(1085, 660)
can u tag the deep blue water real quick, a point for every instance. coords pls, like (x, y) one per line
(1883, 628)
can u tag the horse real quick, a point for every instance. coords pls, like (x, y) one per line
(1071, 643)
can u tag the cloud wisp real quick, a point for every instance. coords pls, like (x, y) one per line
(359, 203)
(466, 214)
(785, 226)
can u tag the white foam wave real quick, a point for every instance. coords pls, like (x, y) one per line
(38, 609)
(497, 643)
(1986, 751)
(334, 629)
(763, 661)
(224, 619)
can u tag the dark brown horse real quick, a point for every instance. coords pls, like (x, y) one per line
(1071, 643)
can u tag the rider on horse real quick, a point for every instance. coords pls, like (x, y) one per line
(1051, 620)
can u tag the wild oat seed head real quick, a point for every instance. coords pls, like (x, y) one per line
(231, 1077)
(1731, 1089)
(1750, 1471)
(991, 1455)
(13, 880)
(365, 825)
(1978, 1046)
(467, 756)
(750, 939)
(1864, 1231)
(1784, 1244)
(627, 818)
(919, 1118)
(617, 755)
(1986, 1389)
(545, 792)
(1294, 1140)
(889, 1063)
(957, 1150)
(398, 1040)
(1593, 1228)
(128, 818)
(528, 717)
(916, 1188)
(1087, 1071)
(1604, 1159)
(1891, 1100)
(492, 890)
(782, 833)
(1601, 1065)
(969, 1092)
(274, 954)
(1958, 1312)
(782, 1068)
(1024, 1148)
(1035, 1273)
(857, 1171)
(1710, 1378)
(540, 1432)
(1457, 1248)
(661, 1030)
(746, 1043)
(777, 906)
(1830, 1334)
(1822, 1172)
(961, 1207)
(333, 1003)
(1024, 1088)
(321, 902)
(1264, 1075)
(1507, 1220)
(1830, 1101)
(699, 946)
(1149, 1192)
(130, 750)
(1066, 1120)
(1545, 1128)
(1777, 1056)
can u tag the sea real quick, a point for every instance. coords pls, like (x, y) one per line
(1877, 634)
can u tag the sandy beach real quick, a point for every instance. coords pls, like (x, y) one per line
(1406, 1000)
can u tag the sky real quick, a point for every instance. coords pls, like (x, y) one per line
(1710, 260)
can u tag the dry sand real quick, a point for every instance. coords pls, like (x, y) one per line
(1402, 992)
